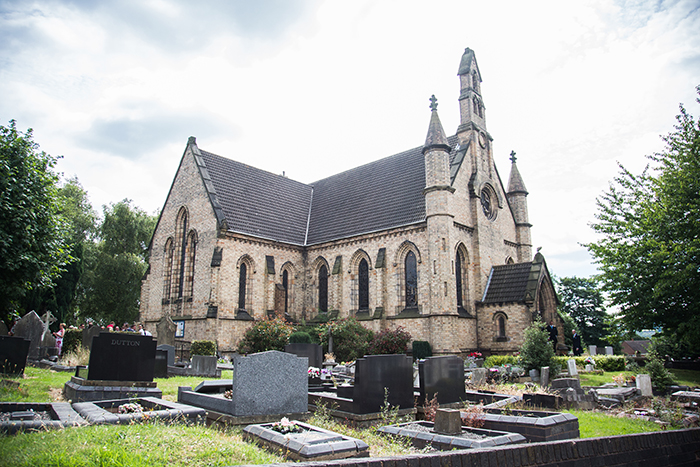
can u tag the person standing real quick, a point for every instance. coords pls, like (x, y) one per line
(553, 335)
(59, 337)
(578, 349)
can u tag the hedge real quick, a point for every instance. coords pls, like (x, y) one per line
(421, 350)
(500, 360)
(72, 339)
(203, 348)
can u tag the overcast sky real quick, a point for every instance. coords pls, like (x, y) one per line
(313, 88)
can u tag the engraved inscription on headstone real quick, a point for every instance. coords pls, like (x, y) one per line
(122, 357)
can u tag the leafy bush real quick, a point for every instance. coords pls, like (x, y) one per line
(350, 339)
(390, 341)
(266, 334)
(300, 337)
(72, 339)
(203, 347)
(421, 350)
(500, 360)
(661, 378)
(536, 351)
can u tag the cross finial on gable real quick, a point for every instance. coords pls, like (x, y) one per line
(512, 157)
(433, 102)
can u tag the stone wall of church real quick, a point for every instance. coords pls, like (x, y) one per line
(187, 192)
(517, 317)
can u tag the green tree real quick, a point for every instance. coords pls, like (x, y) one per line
(536, 351)
(115, 264)
(649, 251)
(80, 219)
(350, 339)
(34, 247)
(582, 300)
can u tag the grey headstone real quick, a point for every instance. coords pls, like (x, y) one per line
(571, 366)
(608, 350)
(589, 367)
(593, 350)
(479, 376)
(165, 330)
(448, 422)
(544, 376)
(171, 352)
(534, 375)
(644, 385)
(443, 376)
(30, 327)
(88, 334)
(3, 328)
(313, 352)
(268, 383)
(204, 365)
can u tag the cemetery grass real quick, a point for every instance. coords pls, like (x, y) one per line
(682, 377)
(149, 444)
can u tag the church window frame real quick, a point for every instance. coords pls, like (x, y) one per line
(167, 270)
(244, 291)
(360, 278)
(322, 297)
(461, 271)
(500, 327)
(190, 261)
(180, 245)
(400, 262)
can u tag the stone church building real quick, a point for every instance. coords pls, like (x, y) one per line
(429, 239)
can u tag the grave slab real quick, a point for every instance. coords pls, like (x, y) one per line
(421, 434)
(44, 416)
(536, 426)
(107, 411)
(310, 444)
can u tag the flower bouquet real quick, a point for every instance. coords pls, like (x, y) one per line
(285, 426)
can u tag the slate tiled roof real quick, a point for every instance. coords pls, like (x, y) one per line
(507, 283)
(380, 195)
(257, 202)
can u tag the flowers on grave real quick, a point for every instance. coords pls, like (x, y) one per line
(228, 394)
(475, 355)
(314, 372)
(470, 361)
(132, 407)
(590, 361)
(285, 426)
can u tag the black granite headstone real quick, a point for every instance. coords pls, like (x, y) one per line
(171, 353)
(313, 352)
(122, 357)
(443, 376)
(13, 354)
(160, 369)
(374, 373)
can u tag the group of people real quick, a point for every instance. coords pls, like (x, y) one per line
(554, 339)
(111, 327)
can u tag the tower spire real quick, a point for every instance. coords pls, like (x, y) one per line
(517, 198)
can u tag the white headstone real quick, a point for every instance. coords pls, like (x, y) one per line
(608, 350)
(589, 367)
(571, 366)
(644, 385)
(593, 350)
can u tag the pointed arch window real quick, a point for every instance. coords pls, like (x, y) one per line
(323, 289)
(180, 252)
(285, 284)
(411, 280)
(363, 285)
(167, 270)
(459, 280)
(190, 255)
(242, 285)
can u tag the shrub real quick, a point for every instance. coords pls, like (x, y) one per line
(661, 378)
(350, 339)
(536, 352)
(421, 350)
(266, 334)
(390, 341)
(500, 360)
(300, 337)
(203, 347)
(72, 340)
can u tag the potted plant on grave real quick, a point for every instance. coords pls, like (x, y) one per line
(314, 376)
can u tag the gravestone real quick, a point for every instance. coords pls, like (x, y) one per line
(160, 367)
(30, 327)
(170, 351)
(544, 376)
(204, 365)
(88, 334)
(448, 422)
(571, 366)
(375, 374)
(47, 338)
(13, 354)
(589, 367)
(608, 350)
(644, 385)
(534, 375)
(3, 328)
(122, 357)
(593, 350)
(165, 330)
(443, 376)
(479, 376)
(269, 382)
(313, 352)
